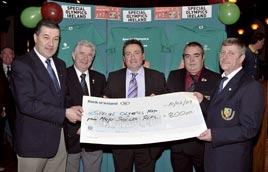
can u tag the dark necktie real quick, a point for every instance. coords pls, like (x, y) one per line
(221, 84)
(8, 72)
(133, 87)
(84, 83)
(192, 85)
(53, 76)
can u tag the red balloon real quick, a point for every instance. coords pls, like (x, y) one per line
(52, 11)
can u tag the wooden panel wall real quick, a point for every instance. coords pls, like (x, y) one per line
(259, 152)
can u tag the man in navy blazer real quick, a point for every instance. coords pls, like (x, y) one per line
(150, 82)
(39, 139)
(234, 114)
(193, 77)
(91, 155)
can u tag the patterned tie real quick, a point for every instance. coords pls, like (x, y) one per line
(192, 85)
(133, 87)
(53, 76)
(221, 84)
(84, 83)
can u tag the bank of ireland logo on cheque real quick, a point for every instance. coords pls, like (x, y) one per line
(124, 103)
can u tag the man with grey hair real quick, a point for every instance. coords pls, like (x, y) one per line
(234, 114)
(81, 80)
(7, 103)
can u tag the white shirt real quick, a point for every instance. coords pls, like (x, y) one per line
(5, 66)
(78, 73)
(230, 76)
(43, 59)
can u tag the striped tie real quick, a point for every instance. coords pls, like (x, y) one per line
(133, 87)
(84, 83)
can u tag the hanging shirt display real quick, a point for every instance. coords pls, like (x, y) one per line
(210, 38)
(154, 40)
(70, 35)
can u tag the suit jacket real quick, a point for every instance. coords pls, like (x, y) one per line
(6, 99)
(75, 97)
(234, 116)
(40, 110)
(155, 82)
(206, 84)
(251, 64)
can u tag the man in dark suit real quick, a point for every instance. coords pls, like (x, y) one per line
(38, 85)
(83, 56)
(193, 77)
(7, 104)
(149, 82)
(234, 114)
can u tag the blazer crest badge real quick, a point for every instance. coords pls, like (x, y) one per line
(227, 114)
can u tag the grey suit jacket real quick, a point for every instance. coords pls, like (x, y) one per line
(40, 110)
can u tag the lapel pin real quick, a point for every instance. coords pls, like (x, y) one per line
(204, 80)
(93, 81)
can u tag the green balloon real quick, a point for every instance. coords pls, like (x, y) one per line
(228, 13)
(30, 16)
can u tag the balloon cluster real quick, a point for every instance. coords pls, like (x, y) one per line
(32, 15)
(52, 11)
(228, 13)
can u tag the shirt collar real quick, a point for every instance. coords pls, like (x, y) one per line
(252, 49)
(197, 75)
(42, 58)
(232, 74)
(5, 67)
(140, 72)
(78, 72)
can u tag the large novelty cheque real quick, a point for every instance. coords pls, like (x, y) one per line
(153, 119)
